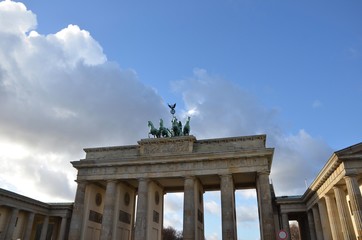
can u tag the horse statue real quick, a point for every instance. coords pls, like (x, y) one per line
(186, 130)
(164, 132)
(176, 127)
(153, 131)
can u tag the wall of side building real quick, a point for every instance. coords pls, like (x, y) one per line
(25, 218)
(331, 208)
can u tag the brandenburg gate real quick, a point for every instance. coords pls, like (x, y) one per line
(120, 191)
(110, 178)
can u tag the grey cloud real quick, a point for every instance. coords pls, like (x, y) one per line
(173, 210)
(247, 214)
(298, 159)
(218, 108)
(55, 183)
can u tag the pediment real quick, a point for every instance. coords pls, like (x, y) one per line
(353, 150)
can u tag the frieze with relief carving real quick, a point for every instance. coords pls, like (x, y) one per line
(167, 146)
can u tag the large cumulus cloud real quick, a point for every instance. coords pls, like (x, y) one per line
(59, 94)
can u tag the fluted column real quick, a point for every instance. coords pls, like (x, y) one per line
(62, 229)
(265, 203)
(317, 223)
(333, 217)
(285, 223)
(189, 226)
(344, 216)
(109, 211)
(356, 202)
(78, 212)
(228, 218)
(326, 228)
(44, 228)
(142, 210)
(311, 225)
(29, 225)
(11, 224)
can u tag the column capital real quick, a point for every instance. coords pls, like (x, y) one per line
(329, 195)
(112, 181)
(350, 173)
(227, 175)
(143, 179)
(189, 177)
(337, 187)
(265, 172)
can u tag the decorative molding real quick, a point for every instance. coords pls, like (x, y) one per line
(175, 145)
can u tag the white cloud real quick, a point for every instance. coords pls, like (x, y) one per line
(77, 45)
(173, 210)
(213, 236)
(246, 194)
(297, 157)
(15, 18)
(212, 207)
(247, 214)
(224, 109)
(227, 109)
(59, 94)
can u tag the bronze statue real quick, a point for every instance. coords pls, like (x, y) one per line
(172, 111)
(153, 131)
(176, 128)
(186, 130)
(164, 132)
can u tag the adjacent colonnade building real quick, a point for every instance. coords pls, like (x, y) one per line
(331, 208)
(25, 218)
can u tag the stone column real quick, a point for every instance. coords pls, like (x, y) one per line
(189, 226)
(317, 223)
(344, 216)
(63, 224)
(355, 199)
(326, 227)
(44, 228)
(76, 225)
(228, 218)
(109, 210)
(142, 211)
(266, 210)
(311, 225)
(303, 227)
(285, 223)
(11, 224)
(29, 225)
(333, 217)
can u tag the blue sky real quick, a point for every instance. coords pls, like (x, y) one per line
(76, 74)
(291, 55)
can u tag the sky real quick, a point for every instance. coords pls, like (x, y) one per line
(80, 74)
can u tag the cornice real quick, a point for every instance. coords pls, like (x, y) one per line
(14, 200)
(234, 139)
(112, 148)
(178, 139)
(172, 158)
